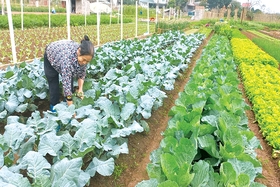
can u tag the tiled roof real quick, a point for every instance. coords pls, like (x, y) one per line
(246, 5)
(146, 1)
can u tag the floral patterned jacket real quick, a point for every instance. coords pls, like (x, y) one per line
(63, 57)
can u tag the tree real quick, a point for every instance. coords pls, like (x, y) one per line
(171, 3)
(218, 3)
(128, 2)
(257, 11)
(203, 3)
(250, 5)
(235, 4)
(263, 7)
(253, 3)
(178, 4)
(181, 4)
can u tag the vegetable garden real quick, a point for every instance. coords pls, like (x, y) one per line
(207, 140)
(27, 48)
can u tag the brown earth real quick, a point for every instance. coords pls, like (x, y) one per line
(131, 168)
(271, 170)
(275, 33)
(249, 35)
(133, 165)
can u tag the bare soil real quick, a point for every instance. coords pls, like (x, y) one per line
(133, 165)
(273, 33)
(131, 168)
(249, 35)
(271, 170)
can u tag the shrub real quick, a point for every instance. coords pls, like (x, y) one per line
(165, 26)
(57, 20)
(222, 28)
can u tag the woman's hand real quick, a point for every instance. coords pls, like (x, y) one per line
(69, 102)
(80, 95)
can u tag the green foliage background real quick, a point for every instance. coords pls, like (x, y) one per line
(57, 20)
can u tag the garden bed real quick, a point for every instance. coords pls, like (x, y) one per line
(275, 34)
(130, 168)
(134, 164)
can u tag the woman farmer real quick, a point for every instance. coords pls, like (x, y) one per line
(68, 59)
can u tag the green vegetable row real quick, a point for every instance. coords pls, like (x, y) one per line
(57, 20)
(118, 95)
(207, 141)
(261, 79)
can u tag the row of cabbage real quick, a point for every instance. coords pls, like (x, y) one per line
(207, 141)
(20, 86)
(124, 85)
(261, 79)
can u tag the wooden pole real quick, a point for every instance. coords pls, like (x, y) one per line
(21, 11)
(85, 9)
(3, 9)
(136, 18)
(98, 25)
(49, 13)
(242, 15)
(68, 10)
(11, 28)
(148, 19)
(121, 19)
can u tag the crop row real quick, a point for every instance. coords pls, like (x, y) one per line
(31, 43)
(261, 78)
(265, 36)
(207, 142)
(56, 20)
(245, 51)
(116, 101)
(267, 43)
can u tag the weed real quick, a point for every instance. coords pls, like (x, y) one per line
(136, 164)
(119, 168)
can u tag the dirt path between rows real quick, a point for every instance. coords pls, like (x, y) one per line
(131, 168)
(271, 170)
(133, 165)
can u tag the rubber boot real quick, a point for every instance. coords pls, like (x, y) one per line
(58, 128)
(52, 108)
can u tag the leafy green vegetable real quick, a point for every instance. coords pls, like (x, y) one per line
(123, 86)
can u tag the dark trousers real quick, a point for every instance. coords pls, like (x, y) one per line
(53, 81)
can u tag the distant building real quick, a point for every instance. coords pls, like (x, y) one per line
(246, 5)
(153, 3)
(191, 6)
(80, 6)
(76, 5)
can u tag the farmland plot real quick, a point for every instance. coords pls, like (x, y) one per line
(267, 43)
(207, 140)
(117, 98)
(31, 43)
(260, 76)
(134, 164)
(88, 156)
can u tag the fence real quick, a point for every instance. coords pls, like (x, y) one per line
(270, 18)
